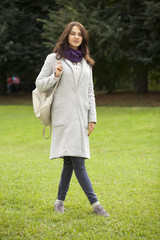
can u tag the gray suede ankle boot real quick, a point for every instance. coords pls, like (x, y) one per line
(59, 207)
(99, 210)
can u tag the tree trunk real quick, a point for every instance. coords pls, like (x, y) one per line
(3, 85)
(141, 78)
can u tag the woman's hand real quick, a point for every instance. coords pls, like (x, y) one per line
(91, 127)
(58, 69)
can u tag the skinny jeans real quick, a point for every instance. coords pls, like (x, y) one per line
(78, 165)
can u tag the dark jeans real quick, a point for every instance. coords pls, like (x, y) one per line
(78, 164)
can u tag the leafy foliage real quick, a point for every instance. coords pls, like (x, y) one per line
(123, 35)
(21, 50)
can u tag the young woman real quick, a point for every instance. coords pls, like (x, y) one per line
(73, 109)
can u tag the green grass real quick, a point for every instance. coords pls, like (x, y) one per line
(124, 171)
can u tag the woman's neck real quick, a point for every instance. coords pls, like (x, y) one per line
(75, 48)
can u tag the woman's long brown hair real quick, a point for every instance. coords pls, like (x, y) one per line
(63, 44)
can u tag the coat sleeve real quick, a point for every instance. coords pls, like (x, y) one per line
(46, 78)
(92, 103)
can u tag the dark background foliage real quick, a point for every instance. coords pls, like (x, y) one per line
(124, 39)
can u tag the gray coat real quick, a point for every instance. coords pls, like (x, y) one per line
(72, 109)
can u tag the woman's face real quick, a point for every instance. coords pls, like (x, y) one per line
(75, 38)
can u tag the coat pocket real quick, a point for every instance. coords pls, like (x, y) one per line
(58, 117)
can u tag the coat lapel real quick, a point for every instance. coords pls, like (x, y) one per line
(83, 66)
(69, 63)
(71, 66)
(83, 69)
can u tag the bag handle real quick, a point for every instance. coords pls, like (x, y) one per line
(54, 89)
(44, 129)
(56, 85)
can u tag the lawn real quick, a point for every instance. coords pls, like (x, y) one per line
(124, 170)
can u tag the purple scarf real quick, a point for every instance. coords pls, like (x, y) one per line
(73, 55)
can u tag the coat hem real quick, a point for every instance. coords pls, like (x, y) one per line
(56, 157)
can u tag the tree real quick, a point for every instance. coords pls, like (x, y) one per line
(123, 37)
(140, 41)
(21, 49)
(68, 11)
